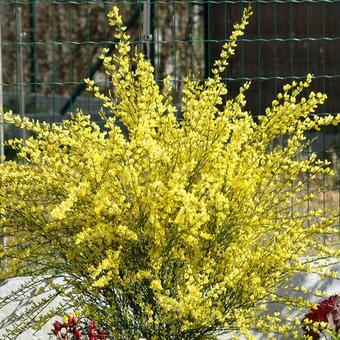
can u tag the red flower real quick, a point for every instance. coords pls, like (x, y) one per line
(323, 309)
(102, 335)
(72, 322)
(326, 311)
(92, 325)
(73, 328)
(56, 327)
(92, 331)
(77, 335)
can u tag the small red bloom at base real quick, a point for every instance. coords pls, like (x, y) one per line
(56, 327)
(102, 335)
(73, 328)
(77, 335)
(326, 311)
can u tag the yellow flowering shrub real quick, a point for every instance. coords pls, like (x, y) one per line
(173, 229)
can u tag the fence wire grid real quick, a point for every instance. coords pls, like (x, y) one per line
(59, 43)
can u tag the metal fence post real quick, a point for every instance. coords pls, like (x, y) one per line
(20, 70)
(2, 151)
(147, 35)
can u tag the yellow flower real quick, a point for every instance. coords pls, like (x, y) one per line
(177, 227)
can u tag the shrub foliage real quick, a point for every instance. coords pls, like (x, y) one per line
(168, 228)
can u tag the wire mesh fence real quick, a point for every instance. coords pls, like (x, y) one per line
(60, 42)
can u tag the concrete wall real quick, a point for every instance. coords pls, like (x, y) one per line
(309, 281)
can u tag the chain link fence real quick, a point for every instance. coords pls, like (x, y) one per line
(59, 43)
